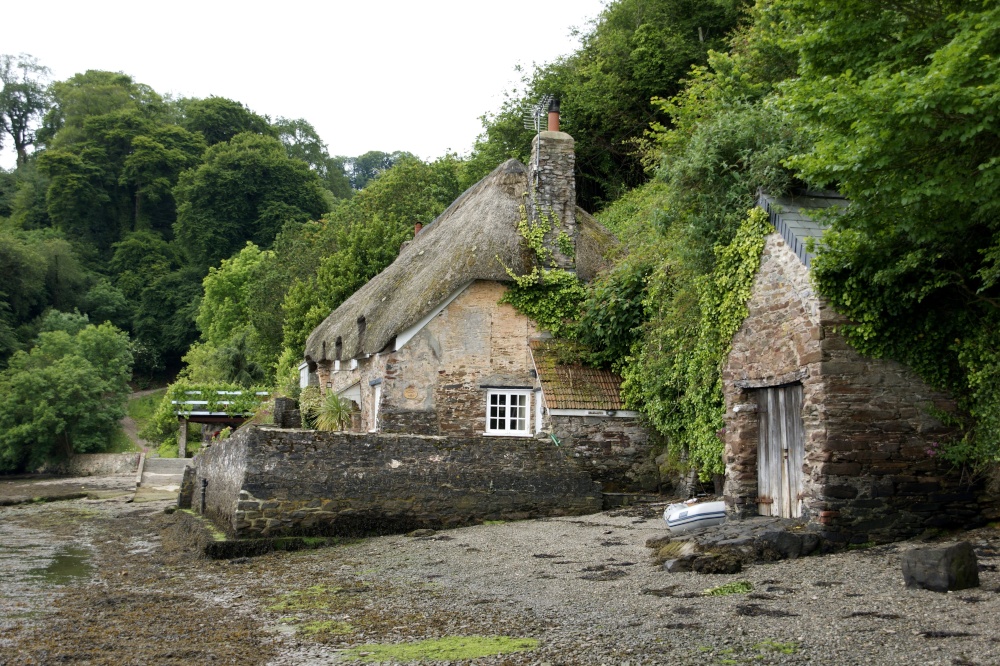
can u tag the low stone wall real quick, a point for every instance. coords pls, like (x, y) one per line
(616, 452)
(265, 481)
(95, 464)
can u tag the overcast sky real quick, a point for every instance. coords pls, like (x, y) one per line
(369, 75)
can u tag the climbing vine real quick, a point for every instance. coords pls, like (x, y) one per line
(163, 426)
(674, 371)
(549, 296)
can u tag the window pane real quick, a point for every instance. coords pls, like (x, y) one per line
(507, 412)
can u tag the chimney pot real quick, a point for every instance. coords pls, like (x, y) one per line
(417, 227)
(554, 115)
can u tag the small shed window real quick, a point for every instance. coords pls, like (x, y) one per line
(507, 412)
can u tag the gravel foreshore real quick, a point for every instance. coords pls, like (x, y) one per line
(585, 589)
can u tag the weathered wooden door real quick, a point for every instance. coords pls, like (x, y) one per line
(780, 451)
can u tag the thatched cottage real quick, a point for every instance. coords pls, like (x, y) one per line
(813, 428)
(426, 348)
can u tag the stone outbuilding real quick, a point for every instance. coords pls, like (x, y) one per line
(426, 347)
(815, 430)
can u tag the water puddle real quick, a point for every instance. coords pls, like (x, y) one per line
(68, 564)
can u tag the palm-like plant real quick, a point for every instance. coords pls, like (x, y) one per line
(334, 413)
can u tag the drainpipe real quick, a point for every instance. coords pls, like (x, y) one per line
(204, 489)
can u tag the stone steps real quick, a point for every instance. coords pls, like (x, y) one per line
(165, 473)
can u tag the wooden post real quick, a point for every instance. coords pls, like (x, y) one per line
(182, 438)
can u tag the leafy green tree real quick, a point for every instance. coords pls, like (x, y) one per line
(70, 322)
(230, 348)
(117, 176)
(140, 258)
(244, 190)
(901, 101)
(364, 168)
(637, 50)
(41, 271)
(219, 119)
(164, 317)
(28, 208)
(93, 93)
(23, 100)
(104, 302)
(65, 396)
(303, 143)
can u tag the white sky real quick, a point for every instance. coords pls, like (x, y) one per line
(369, 75)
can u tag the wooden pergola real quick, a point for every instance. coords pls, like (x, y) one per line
(194, 415)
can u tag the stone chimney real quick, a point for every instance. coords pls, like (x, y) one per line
(553, 190)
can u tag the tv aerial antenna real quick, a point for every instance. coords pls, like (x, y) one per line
(535, 118)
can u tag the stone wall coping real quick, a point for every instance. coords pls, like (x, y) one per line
(391, 436)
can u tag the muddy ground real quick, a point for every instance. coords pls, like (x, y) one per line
(106, 581)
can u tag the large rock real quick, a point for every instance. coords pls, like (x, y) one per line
(941, 568)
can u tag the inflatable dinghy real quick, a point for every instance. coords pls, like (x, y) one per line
(687, 517)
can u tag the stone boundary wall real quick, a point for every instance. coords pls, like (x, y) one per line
(95, 464)
(264, 481)
(616, 452)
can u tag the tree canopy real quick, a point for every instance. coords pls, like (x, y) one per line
(65, 396)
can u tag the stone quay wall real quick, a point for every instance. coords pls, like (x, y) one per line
(868, 423)
(264, 481)
(95, 464)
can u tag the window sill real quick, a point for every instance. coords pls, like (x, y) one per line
(508, 434)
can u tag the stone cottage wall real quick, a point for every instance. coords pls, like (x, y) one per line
(868, 422)
(434, 384)
(616, 452)
(269, 482)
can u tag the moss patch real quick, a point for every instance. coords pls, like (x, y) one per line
(775, 646)
(217, 534)
(736, 587)
(317, 597)
(451, 648)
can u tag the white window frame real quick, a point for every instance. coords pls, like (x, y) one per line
(537, 397)
(498, 412)
(376, 403)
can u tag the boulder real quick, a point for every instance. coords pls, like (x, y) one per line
(785, 545)
(679, 564)
(941, 568)
(717, 563)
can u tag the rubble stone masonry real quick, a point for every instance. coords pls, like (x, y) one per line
(264, 481)
(868, 423)
(553, 185)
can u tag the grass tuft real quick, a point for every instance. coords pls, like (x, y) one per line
(736, 587)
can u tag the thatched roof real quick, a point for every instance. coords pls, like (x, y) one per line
(460, 246)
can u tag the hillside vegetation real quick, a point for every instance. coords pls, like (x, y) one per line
(213, 239)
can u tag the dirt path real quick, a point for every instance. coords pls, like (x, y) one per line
(580, 591)
(131, 428)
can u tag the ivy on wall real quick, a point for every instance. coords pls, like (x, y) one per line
(549, 296)
(673, 373)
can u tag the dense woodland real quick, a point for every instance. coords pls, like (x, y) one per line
(156, 239)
